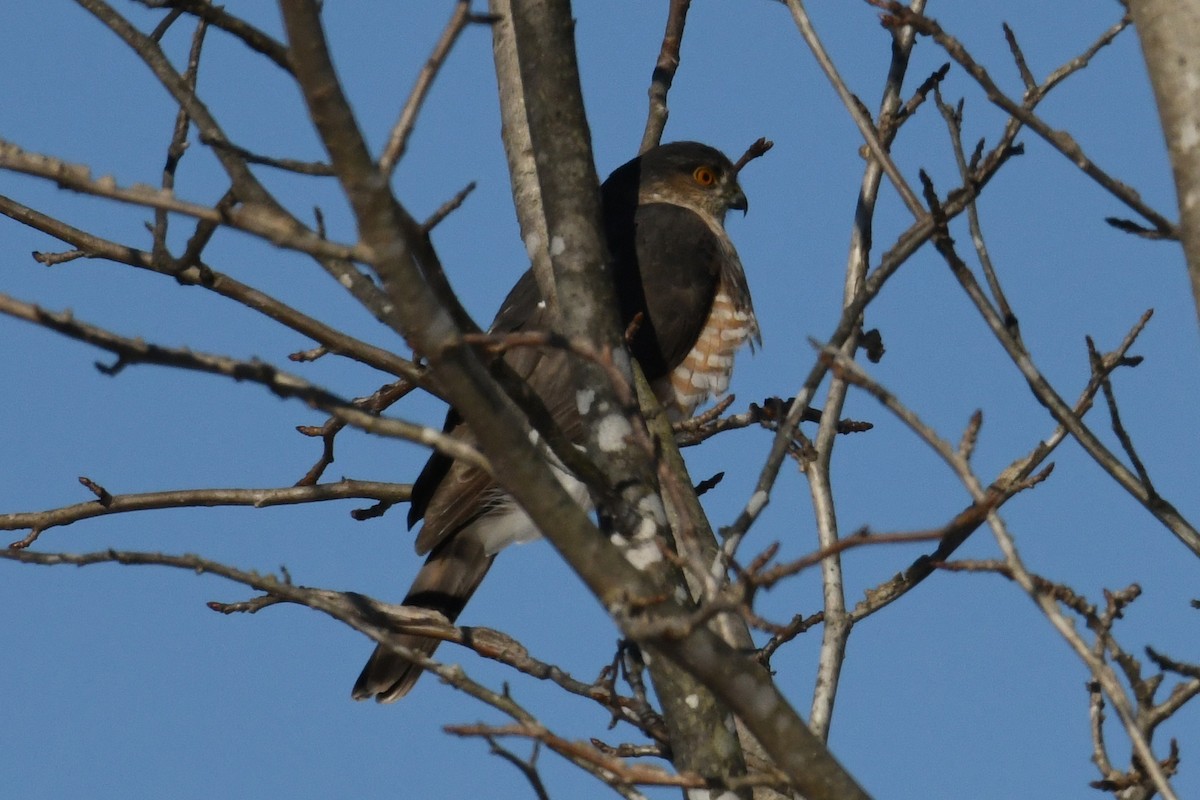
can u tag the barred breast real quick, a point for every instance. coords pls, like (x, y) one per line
(706, 370)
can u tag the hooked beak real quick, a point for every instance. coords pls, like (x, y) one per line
(739, 201)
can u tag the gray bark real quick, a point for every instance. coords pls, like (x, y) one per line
(1169, 31)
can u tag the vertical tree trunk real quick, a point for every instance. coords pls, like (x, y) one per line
(1169, 31)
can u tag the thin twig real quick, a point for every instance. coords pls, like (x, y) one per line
(397, 141)
(160, 30)
(447, 208)
(757, 149)
(1048, 604)
(1049, 397)
(178, 145)
(861, 120)
(317, 169)
(527, 767)
(218, 17)
(199, 274)
(38, 522)
(622, 771)
(837, 622)
(1019, 57)
(255, 219)
(136, 351)
(1059, 140)
(1115, 415)
(1015, 477)
(253, 198)
(953, 118)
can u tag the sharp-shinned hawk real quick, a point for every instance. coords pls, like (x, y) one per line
(664, 219)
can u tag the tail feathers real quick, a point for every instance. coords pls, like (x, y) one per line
(388, 676)
(446, 581)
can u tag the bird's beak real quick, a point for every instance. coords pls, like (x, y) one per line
(739, 201)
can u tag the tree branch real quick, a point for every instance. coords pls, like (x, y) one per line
(397, 141)
(283, 384)
(38, 522)
(664, 73)
(200, 274)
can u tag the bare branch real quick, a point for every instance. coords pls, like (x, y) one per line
(381, 400)
(1012, 561)
(218, 17)
(1059, 140)
(178, 145)
(255, 219)
(759, 148)
(313, 168)
(1146, 771)
(518, 150)
(953, 118)
(861, 120)
(397, 142)
(199, 274)
(622, 771)
(527, 767)
(39, 522)
(245, 186)
(136, 351)
(447, 208)
(1015, 477)
(1019, 57)
(1049, 397)
(1114, 414)
(664, 73)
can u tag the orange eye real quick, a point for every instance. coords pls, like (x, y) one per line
(704, 176)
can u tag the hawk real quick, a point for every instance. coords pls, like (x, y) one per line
(673, 263)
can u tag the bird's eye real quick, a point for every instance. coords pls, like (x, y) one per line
(704, 176)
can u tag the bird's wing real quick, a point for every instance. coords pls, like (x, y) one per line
(450, 494)
(668, 262)
(671, 274)
(519, 307)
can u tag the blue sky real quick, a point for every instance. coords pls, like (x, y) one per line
(122, 684)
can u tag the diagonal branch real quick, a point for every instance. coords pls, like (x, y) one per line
(178, 145)
(1011, 479)
(254, 38)
(256, 219)
(1047, 601)
(1163, 511)
(904, 247)
(199, 274)
(397, 142)
(1061, 141)
(246, 188)
(365, 615)
(136, 351)
(863, 122)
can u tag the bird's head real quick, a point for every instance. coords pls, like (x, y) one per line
(685, 174)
